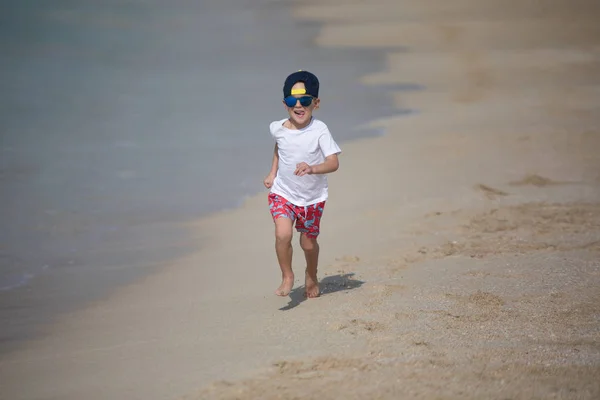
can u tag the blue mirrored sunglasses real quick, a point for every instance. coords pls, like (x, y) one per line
(305, 101)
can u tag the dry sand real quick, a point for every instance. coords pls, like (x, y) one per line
(460, 252)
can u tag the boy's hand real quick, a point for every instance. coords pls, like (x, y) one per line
(303, 169)
(268, 182)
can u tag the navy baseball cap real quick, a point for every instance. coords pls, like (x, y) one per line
(311, 83)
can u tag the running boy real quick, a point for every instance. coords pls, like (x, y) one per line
(304, 152)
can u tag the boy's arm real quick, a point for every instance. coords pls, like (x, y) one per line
(275, 164)
(268, 182)
(331, 164)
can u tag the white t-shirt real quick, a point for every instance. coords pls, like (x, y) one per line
(310, 145)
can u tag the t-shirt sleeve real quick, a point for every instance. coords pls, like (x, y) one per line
(327, 144)
(272, 129)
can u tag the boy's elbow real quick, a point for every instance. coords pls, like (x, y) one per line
(331, 164)
(335, 164)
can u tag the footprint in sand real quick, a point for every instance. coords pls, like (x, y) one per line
(397, 265)
(486, 299)
(356, 326)
(536, 180)
(308, 368)
(479, 298)
(489, 192)
(380, 295)
(345, 261)
(348, 259)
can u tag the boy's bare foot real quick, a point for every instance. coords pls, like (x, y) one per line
(312, 286)
(286, 286)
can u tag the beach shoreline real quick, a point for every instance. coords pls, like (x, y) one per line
(99, 185)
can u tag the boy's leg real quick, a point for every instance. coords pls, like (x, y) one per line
(283, 217)
(283, 248)
(311, 253)
(309, 224)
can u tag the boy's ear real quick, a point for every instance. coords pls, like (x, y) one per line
(317, 103)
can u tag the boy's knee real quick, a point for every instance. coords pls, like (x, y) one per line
(283, 236)
(308, 243)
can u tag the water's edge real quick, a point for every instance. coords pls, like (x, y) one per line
(112, 236)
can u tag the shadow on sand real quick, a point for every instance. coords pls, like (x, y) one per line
(328, 285)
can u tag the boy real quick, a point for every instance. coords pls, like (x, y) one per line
(304, 152)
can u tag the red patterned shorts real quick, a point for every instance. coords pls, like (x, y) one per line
(308, 219)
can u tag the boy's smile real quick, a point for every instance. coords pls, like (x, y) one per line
(299, 112)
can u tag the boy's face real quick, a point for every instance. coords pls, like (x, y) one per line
(300, 115)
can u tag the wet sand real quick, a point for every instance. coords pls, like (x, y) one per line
(460, 252)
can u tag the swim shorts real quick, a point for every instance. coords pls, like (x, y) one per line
(308, 218)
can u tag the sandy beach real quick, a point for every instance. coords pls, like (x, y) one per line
(460, 252)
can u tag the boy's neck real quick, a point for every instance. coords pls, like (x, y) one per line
(292, 126)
